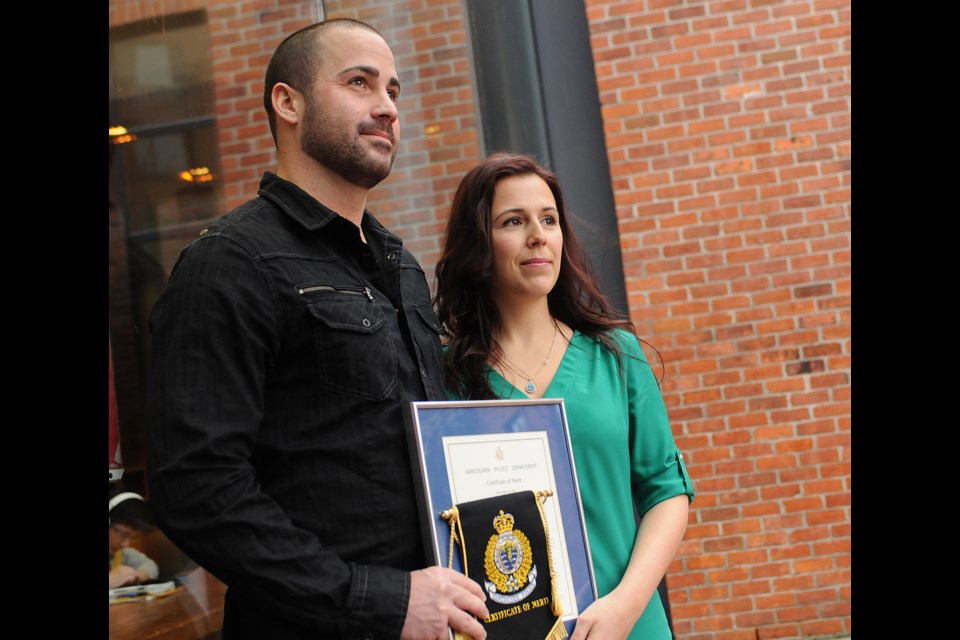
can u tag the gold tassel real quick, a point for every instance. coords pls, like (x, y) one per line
(555, 605)
(559, 631)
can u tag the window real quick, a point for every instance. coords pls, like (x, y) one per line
(164, 188)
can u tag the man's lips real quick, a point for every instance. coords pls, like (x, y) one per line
(379, 133)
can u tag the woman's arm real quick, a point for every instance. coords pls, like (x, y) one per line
(660, 534)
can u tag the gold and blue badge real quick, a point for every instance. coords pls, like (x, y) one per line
(508, 561)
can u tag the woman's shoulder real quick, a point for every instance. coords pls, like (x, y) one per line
(625, 341)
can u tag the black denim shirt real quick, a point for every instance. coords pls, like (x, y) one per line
(279, 377)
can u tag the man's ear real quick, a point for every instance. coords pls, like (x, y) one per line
(288, 103)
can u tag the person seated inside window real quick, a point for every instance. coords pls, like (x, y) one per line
(129, 518)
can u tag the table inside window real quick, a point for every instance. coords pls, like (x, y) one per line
(193, 611)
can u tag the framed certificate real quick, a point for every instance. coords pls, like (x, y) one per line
(469, 450)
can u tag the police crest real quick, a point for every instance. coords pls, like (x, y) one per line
(508, 562)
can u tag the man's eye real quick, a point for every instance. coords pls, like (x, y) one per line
(359, 81)
(394, 95)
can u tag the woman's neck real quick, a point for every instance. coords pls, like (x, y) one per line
(531, 345)
(524, 325)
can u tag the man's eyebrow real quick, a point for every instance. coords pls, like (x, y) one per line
(371, 71)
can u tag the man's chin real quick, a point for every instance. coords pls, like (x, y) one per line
(381, 166)
(370, 179)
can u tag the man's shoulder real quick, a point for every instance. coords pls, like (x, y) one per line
(246, 222)
(244, 216)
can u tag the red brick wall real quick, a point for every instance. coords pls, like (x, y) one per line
(727, 128)
(728, 133)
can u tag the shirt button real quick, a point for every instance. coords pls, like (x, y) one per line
(391, 256)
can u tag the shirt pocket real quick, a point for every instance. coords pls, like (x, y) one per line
(356, 354)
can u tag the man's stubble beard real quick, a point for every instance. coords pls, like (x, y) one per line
(335, 147)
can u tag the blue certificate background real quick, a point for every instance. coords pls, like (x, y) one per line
(430, 422)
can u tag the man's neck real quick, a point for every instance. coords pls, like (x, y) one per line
(345, 198)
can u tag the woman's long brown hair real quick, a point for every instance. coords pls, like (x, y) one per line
(463, 300)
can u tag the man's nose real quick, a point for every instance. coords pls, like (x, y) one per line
(387, 108)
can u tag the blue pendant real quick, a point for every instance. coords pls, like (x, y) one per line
(530, 388)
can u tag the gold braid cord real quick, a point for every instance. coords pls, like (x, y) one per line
(452, 515)
(556, 607)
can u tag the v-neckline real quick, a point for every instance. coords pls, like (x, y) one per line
(553, 381)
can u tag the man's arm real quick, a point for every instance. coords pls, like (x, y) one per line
(215, 333)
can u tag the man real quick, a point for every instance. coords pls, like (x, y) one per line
(285, 348)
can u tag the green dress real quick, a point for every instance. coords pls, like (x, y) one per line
(621, 440)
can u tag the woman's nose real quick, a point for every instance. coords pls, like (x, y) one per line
(536, 234)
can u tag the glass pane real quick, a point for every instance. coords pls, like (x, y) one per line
(164, 187)
(160, 70)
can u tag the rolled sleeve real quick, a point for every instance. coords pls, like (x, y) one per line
(672, 480)
(658, 469)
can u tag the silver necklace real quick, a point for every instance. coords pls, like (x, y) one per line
(530, 387)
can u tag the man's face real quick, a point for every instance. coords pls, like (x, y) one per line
(350, 119)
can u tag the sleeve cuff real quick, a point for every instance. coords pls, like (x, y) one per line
(379, 597)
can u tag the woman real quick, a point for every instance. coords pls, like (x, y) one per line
(526, 319)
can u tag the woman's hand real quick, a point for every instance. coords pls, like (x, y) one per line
(608, 618)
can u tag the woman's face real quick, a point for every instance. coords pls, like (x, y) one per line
(527, 240)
